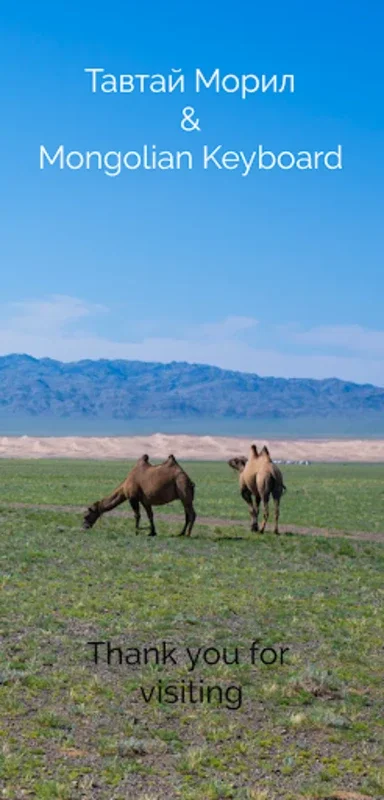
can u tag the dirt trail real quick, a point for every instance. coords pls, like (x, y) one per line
(211, 521)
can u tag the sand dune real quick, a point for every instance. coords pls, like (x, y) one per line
(160, 445)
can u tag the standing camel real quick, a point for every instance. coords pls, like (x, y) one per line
(149, 486)
(259, 479)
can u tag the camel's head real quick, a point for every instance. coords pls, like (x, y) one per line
(91, 516)
(238, 463)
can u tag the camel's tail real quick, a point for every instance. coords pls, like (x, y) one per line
(284, 488)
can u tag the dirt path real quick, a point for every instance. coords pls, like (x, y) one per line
(212, 522)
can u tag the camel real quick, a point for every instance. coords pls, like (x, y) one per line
(259, 478)
(149, 486)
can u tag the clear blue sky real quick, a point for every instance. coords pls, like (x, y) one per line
(277, 273)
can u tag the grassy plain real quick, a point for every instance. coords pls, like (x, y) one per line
(71, 729)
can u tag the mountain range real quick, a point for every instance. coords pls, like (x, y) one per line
(126, 390)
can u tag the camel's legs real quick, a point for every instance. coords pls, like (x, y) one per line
(185, 492)
(149, 511)
(253, 510)
(257, 501)
(135, 505)
(190, 516)
(265, 512)
(276, 501)
(182, 532)
(186, 511)
(191, 520)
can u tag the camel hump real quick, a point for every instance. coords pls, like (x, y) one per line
(254, 453)
(170, 461)
(144, 459)
(265, 451)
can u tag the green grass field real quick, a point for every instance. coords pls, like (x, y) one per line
(310, 728)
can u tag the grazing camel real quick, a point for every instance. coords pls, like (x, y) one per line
(259, 479)
(149, 486)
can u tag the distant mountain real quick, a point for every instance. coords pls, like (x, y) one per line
(126, 390)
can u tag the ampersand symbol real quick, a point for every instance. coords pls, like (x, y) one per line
(187, 122)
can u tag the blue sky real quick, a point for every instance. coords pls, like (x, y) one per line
(277, 273)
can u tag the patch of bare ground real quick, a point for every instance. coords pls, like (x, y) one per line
(337, 796)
